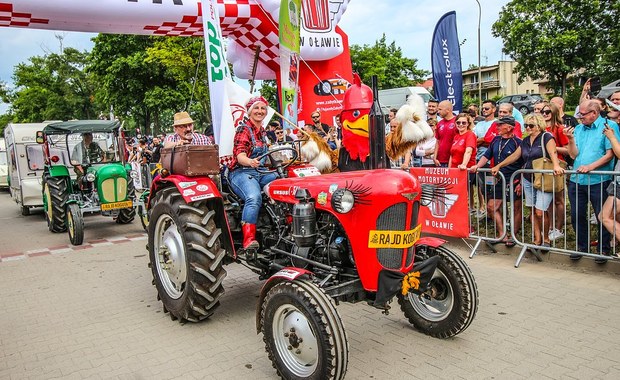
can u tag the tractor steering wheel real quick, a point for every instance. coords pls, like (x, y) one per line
(276, 164)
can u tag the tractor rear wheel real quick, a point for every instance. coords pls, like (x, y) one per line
(303, 334)
(75, 224)
(55, 196)
(449, 304)
(186, 255)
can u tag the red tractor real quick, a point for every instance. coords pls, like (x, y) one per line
(342, 237)
(345, 237)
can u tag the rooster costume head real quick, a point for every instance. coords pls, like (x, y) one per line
(354, 117)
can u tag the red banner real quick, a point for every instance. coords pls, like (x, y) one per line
(322, 85)
(449, 215)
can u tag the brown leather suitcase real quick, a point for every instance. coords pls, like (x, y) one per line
(191, 160)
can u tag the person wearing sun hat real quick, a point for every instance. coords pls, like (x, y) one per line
(184, 132)
(245, 180)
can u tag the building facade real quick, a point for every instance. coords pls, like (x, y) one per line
(499, 80)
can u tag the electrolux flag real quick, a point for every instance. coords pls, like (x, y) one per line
(446, 55)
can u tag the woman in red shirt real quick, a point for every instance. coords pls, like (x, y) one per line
(551, 113)
(463, 150)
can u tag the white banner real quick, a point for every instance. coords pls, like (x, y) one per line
(217, 67)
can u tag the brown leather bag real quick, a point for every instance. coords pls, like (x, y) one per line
(191, 160)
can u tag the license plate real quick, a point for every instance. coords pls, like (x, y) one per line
(116, 205)
(393, 239)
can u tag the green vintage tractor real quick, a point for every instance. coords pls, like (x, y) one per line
(85, 172)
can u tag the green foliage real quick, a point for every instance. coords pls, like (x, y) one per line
(52, 87)
(387, 63)
(143, 78)
(555, 38)
(269, 90)
(4, 121)
(4, 93)
(609, 65)
(468, 100)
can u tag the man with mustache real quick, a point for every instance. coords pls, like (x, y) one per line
(184, 132)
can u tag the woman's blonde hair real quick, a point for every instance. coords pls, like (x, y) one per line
(537, 120)
(470, 121)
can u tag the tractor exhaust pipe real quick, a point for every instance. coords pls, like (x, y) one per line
(376, 127)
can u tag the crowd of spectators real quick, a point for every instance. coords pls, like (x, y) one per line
(499, 138)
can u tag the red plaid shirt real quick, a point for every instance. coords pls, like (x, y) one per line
(197, 139)
(243, 142)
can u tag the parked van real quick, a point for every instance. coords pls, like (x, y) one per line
(25, 164)
(396, 97)
(4, 166)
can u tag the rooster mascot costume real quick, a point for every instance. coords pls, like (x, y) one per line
(411, 129)
(355, 148)
(354, 117)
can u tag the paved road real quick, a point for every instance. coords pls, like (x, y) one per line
(25, 233)
(93, 314)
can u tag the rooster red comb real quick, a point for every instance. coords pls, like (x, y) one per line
(358, 96)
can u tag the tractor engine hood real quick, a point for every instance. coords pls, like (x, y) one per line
(368, 186)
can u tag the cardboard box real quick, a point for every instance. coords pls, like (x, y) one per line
(191, 160)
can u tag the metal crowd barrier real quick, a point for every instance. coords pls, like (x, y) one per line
(146, 172)
(483, 228)
(557, 216)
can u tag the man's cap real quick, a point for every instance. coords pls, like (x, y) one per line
(506, 120)
(182, 118)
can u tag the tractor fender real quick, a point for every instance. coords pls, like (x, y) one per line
(289, 274)
(58, 171)
(430, 241)
(194, 189)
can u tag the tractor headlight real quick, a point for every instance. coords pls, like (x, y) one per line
(134, 174)
(90, 177)
(343, 200)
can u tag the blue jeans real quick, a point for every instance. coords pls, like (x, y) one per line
(247, 184)
(579, 197)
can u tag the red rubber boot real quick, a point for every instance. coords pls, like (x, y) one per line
(249, 234)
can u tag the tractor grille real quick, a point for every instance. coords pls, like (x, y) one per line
(414, 224)
(114, 189)
(392, 218)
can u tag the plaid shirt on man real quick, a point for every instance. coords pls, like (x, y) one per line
(197, 139)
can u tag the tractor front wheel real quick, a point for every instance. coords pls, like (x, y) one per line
(55, 197)
(303, 333)
(186, 256)
(126, 215)
(75, 224)
(143, 213)
(449, 304)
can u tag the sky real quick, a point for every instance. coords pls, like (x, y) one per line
(410, 23)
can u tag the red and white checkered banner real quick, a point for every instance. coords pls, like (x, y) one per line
(246, 23)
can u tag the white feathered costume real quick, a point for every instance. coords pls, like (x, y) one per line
(412, 128)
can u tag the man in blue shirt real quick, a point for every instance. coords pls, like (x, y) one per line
(502, 146)
(591, 151)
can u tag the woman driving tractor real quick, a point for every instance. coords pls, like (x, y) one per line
(244, 179)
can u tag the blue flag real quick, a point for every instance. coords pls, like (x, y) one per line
(446, 55)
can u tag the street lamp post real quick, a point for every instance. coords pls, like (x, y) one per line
(479, 68)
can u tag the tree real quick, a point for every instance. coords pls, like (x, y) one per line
(269, 90)
(148, 78)
(387, 63)
(554, 38)
(52, 87)
(609, 68)
(185, 61)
